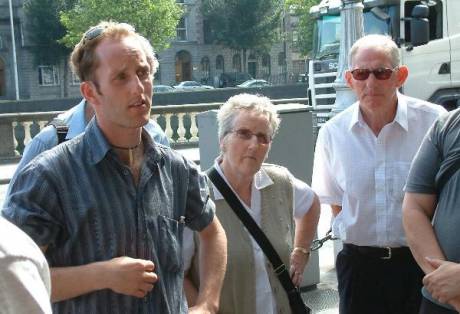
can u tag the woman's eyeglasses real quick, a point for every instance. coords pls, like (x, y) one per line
(246, 135)
(380, 73)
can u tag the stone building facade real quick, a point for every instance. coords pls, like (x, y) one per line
(189, 57)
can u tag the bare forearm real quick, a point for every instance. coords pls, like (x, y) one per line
(71, 282)
(306, 226)
(213, 262)
(124, 275)
(420, 237)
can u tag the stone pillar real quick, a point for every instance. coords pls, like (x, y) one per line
(7, 144)
(351, 16)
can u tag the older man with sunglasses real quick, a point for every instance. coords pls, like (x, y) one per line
(109, 206)
(362, 159)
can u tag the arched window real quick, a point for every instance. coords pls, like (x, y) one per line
(183, 66)
(205, 69)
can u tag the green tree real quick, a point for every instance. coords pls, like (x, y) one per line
(155, 19)
(306, 23)
(44, 30)
(243, 24)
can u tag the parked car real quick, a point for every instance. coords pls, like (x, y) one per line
(232, 79)
(191, 85)
(162, 89)
(254, 83)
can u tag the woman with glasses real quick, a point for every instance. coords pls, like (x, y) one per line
(272, 196)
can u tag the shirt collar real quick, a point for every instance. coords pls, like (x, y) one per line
(98, 146)
(400, 118)
(261, 180)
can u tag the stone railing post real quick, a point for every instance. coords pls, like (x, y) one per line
(7, 140)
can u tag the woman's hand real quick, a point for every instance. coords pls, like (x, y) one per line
(299, 259)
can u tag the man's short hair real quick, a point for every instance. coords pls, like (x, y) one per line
(381, 42)
(84, 60)
(249, 103)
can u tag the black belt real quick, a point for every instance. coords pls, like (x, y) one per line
(379, 252)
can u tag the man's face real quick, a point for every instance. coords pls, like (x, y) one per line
(122, 86)
(372, 93)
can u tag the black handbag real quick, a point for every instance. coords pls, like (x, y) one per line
(295, 300)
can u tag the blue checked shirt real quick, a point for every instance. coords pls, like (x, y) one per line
(81, 201)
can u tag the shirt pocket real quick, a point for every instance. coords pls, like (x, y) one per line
(396, 175)
(170, 232)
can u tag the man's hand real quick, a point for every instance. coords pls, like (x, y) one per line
(444, 282)
(299, 260)
(130, 276)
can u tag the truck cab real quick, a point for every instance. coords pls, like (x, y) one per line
(426, 31)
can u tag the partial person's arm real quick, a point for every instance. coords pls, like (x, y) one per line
(191, 292)
(418, 210)
(305, 229)
(213, 262)
(124, 275)
(22, 289)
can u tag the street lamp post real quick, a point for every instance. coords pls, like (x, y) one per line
(351, 15)
(15, 63)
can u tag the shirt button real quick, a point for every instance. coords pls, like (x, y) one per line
(125, 172)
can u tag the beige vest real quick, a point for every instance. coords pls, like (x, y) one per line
(238, 293)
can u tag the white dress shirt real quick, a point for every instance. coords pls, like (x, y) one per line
(303, 199)
(365, 174)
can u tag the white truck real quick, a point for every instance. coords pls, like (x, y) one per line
(427, 32)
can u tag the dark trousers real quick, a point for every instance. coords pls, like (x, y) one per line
(369, 284)
(428, 307)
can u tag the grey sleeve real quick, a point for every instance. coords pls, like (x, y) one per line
(425, 166)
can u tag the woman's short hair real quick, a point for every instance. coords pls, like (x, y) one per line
(246, 102)
(376, 41)
(84, 60)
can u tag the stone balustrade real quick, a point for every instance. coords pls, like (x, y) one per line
(178, 122)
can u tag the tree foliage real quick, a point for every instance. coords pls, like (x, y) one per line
(243, 24)
(44, 29)
(155, 19)
(306, 23)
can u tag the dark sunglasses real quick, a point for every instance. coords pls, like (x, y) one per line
(380, 74)
(246, 135)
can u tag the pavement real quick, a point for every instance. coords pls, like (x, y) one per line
(323, 299)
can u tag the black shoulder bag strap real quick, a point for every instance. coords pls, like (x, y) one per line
(295, 300)
(61, 129)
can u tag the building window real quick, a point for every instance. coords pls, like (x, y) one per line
(236, 62)
(181, 30)
(220, 63)
(1, 42)
(48, 75)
